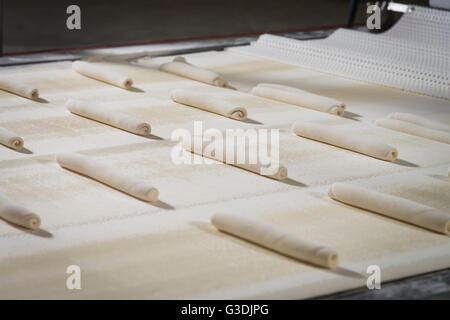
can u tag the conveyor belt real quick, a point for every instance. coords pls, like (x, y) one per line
(413, 55)
(131, 249)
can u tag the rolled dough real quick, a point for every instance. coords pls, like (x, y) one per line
(421, 121)
(299, 97)
(273, 238)
(414, 129)
(391, 206)
(14, 213)
(181, 67)
(340, 138)
(10, 139)
(19, 88)
(138, 188)
(209, 103)
(193, 146)
(112, 118)
(102, 73)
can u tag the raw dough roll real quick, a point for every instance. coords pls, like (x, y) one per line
(138, 188)
(198, 146)
(421, 121)
(14, 213)
(209, 103)
(181, 67)
(112, 118)
(10, 139)
(391, 206)
(273, 238)
(19, 88)
(102, 73)
(415, 130)
(347, 140)
(299, 97)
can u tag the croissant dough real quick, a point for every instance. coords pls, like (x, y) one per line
(14, 213)
(421, 121)
(138, 188)
(391, 206)
(340, 138)
(112, 118)
(102, 73)
(19, 88)
(299, 97)
(181, 67)
(10, 139)
(209, 103)
(414, 129)
(273, 238)
(198, 145)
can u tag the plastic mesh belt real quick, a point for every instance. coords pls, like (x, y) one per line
(431, 27)
(399, 58)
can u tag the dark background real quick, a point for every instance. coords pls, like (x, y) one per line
(36, 25)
